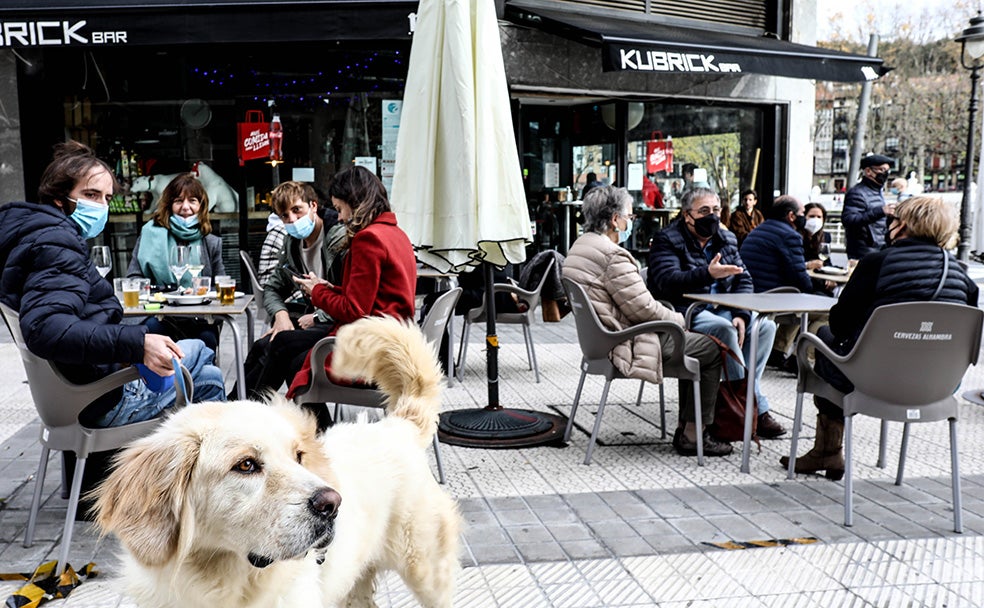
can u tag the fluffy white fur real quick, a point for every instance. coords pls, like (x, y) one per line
(232, 504)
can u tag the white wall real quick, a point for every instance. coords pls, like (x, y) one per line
(802, 106)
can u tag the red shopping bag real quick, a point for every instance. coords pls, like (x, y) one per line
(253, 139)
(659, 153)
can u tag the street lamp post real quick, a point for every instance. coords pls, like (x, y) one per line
(971, 45)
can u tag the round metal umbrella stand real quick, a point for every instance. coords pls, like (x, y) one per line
(494, 426)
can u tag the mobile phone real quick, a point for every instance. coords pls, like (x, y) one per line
(292, 271)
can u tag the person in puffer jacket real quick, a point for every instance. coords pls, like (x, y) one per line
(69, 314)
(695, 254)
(773, 251)
(618, 294)
(909, 269)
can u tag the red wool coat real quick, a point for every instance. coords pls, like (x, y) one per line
(379, 279)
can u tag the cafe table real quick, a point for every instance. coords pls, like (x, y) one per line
(765, 305)
(211, 310)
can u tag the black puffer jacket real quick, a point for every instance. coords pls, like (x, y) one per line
(68, 313)
(678, 265)
(863, 218)
(907, 271)
(773, 253)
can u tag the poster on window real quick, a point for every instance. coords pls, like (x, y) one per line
(659, 153)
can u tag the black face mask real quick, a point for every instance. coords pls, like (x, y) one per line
(706, 226)
(888, 230)
(880, 178)
(799, 221)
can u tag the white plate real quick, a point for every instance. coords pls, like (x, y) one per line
(212, 294)
(832, 270)
(185, 300)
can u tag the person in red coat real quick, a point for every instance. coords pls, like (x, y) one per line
(380, 273)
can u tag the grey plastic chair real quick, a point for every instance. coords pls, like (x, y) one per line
(59, 403)
(597, 343)
(322, 389)
(477, 315)
(254, 281)
(905, 367)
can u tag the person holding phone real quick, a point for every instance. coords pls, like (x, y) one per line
(380, 274)
(314, 246)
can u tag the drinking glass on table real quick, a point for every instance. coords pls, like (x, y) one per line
(195, 265)
(179, 261)
(225, 289)
(102, 259)
(823, 252)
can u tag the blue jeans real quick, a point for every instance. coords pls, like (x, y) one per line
(717, 323)
(139, 403)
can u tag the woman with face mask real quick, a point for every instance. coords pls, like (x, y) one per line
(181, 218)
(813, 237)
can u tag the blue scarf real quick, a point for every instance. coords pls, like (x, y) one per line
(155, 247)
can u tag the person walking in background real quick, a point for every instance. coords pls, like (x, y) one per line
(590, 183)
(746, 217)
(618, 294)
(910, 269)
(865, 208)
(900, 188)
(651, 196)
(694, 254)
(181, 218)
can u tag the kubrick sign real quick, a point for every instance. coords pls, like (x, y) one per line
(662, 61)
(54, 33)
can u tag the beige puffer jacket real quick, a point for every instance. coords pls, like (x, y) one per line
(616, 288)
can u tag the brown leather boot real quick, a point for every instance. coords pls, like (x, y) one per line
(827, 453)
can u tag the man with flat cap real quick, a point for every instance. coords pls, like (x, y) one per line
(865, 208)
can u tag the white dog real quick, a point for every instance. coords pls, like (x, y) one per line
(236, 504)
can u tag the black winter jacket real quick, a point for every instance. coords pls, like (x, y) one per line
(677, 265)
(907, 271)
(68, 313)
(773, 254)
(863, 218)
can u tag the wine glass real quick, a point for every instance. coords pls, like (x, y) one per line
(102, 259)
(179, 262)
(195, 265)
(823, 252)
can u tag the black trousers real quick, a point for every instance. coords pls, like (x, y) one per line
(272, 363)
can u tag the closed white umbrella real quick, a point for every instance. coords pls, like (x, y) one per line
(457, 187)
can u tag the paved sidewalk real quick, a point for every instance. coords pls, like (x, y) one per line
(630, 529)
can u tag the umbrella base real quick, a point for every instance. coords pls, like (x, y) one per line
(497, 427)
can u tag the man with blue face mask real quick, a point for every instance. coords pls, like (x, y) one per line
(314, 245)
(69, 314)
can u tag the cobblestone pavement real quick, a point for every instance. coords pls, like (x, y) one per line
(632, 528)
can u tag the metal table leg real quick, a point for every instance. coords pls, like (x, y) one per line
(238, 348)
(750, 366)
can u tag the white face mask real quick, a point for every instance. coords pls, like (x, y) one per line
(813, 224)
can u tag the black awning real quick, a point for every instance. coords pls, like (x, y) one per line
(643, 46)
(122, 23)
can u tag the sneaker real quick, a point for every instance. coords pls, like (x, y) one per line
(712, 447)
(790, 366)
(769, 427)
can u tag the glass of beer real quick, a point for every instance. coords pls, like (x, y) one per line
(225, 287)
(131, 293)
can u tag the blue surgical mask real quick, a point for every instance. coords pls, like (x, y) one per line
(623, 235)
(300, 229)
(185, 229)
(90, 216)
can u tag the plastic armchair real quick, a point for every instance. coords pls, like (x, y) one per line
(905, 367)
(59, 403)
(254, 281)
(322, 389)
(597, 342)
(477, 315)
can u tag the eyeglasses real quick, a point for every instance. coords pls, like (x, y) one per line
(630, 217)
(705, 211)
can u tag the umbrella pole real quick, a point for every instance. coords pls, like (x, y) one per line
(494, 426)
(491, 339)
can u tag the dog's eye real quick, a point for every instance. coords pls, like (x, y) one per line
(246, 465)
(300, 456)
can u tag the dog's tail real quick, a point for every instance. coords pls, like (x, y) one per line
(399, 360)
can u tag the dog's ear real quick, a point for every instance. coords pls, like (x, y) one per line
(142, 500)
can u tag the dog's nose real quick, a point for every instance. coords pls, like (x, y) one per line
(324, 503)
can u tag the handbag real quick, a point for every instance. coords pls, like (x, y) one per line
(729, 408)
